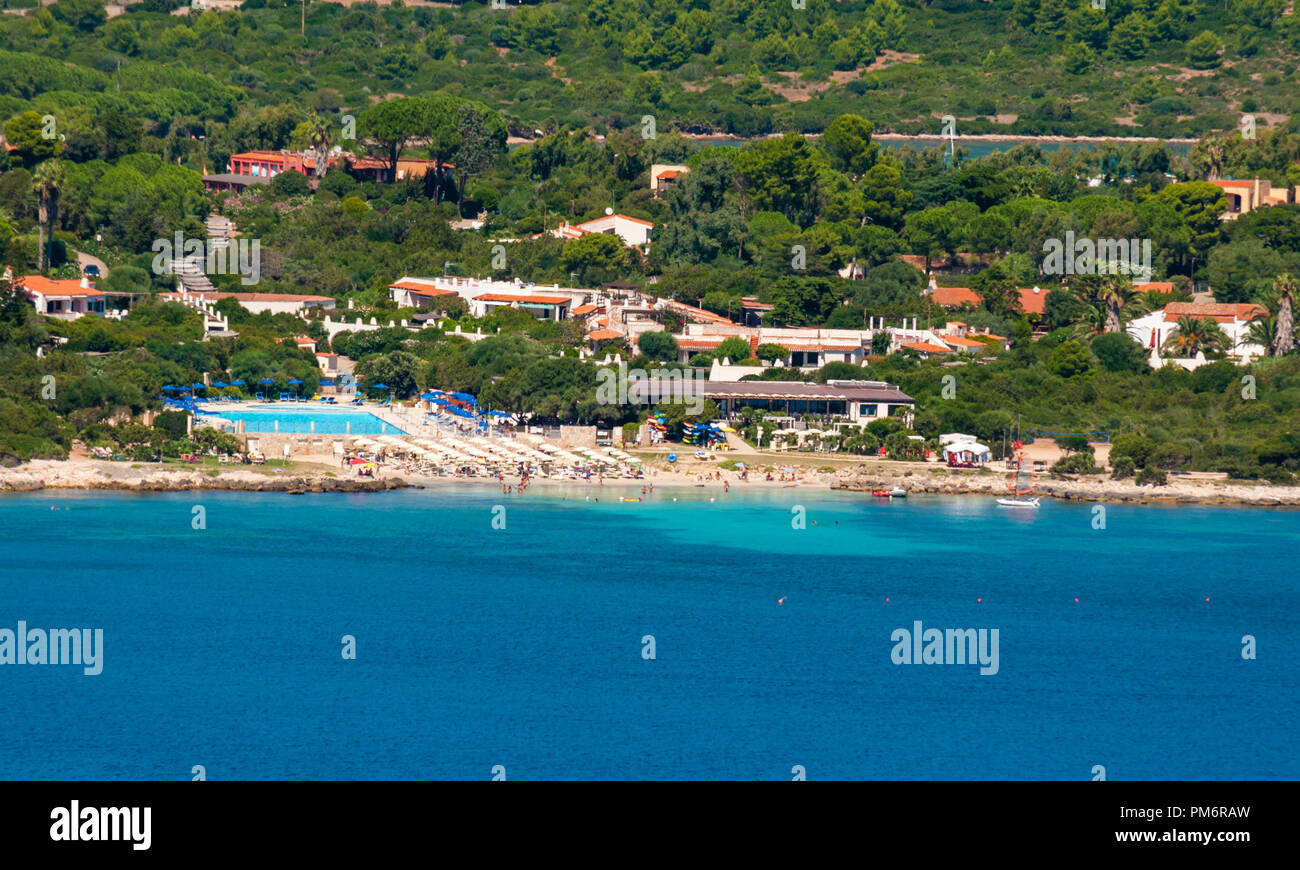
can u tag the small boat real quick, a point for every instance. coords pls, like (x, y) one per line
(880, 493)
(1019, 502)
(1022, 488)
(898, 492)
(625, 498)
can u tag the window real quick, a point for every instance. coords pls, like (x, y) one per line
(868, 410)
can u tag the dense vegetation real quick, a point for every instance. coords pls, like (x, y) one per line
(111, 124)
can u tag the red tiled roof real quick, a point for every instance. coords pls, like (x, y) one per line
(958, 341)
(1155, 287)
(533, 300)
(263, 155)
(669, 173)
(1223, 312)
(55, 287)
(586, 309)
(952, 297)
(421, 288)
(1032, 299)
(623, 216)
(603, 335)
(926, 347)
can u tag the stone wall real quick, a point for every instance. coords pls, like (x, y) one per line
(577, 436)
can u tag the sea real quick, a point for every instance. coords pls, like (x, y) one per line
(461, 633)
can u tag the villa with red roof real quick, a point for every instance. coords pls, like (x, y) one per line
(485, 295)
(665, 176)
(1248, 195)
(1234, 318)
(66, 299)
(634, 232)
(417, 292)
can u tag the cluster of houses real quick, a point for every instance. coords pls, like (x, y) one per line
(260, 167)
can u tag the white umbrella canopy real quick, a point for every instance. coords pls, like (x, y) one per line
(974, 448)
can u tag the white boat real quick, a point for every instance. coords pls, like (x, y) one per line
(898, 492)
(1019, 502)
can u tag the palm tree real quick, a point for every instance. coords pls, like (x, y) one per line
(1194, 335)
(1091, 319)
(47, 184)
(1263, 332)
(319, 137)
(1214, 157)
(1284, 339)
(1112, 292)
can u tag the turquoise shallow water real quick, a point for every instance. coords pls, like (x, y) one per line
(522, 647)
(297, 421)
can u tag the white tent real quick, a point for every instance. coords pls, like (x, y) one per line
(966, 451)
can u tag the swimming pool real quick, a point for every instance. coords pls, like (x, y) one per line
(266, 419)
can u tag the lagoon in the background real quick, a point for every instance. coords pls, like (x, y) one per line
(480, 646)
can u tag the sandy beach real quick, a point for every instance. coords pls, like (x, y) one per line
(844, 474)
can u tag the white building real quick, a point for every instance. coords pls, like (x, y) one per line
(256, 303)
(634, 232)
(66, 299)
(857, 402)
(485, 295)
(1234, 318)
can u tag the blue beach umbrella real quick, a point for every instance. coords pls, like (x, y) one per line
(169, 388)
(220, 384)
(465, 397)
(199, 386)
(295, 381)
(267, 381)
(238, 384)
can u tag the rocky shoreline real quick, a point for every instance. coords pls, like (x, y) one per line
(942, 482)
(43, 475)
(916, 478)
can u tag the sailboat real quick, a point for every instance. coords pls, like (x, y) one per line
(1022, 487)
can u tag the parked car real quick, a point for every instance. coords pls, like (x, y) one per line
(91, 271)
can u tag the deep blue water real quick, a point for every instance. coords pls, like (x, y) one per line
(522, 646)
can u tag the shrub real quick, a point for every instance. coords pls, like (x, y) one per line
(1076, 463)
(1153, 476)
(1122, 467)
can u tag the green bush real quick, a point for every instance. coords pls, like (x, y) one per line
(1153, 476)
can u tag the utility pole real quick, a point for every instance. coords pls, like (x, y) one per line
(304, 19)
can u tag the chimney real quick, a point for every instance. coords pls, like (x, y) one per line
(934, 285)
